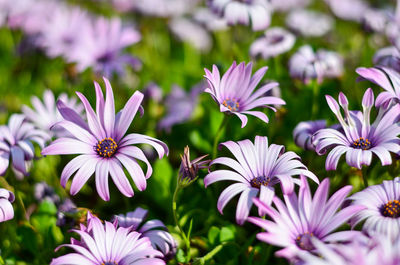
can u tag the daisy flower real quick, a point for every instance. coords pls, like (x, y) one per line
(6, 209)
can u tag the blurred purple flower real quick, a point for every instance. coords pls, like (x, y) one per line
(286, 5)
(44, 192)
(309, 23)
(59, 37)
(164, 8)
(180, 106)
(375, 20)
(275, 41)
(188, 170)
(353, 10)
(65, 213)
(155, 230)
(153, 91)
(254, 12)
(45, 114)
(16, 144)
(303, 218)
(307, 65)
(6, 209)
(359, 139)
(209, 20)
(256, 170)
(388, 57)
(235, 94)
(303, 132)
(102, 146)
(102, 48)
(109, 244)
(191, 32)
(382, 208)
(386, 78)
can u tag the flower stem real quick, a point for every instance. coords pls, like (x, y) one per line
(364, 173)
(218, 135)
(315, 105)
(174, 212)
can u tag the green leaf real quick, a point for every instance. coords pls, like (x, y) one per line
(28, 238)
(213, 234)
(160, 182)
(180, 256)
(227, 233)
(199, 142)
(47, 207)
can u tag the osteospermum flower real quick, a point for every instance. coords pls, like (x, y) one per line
(155, 230)
(386, 78)
(235, 94)
(102, 145)
(254, 12)
(357, 138)
(303, 132)
(275, 41)
(6, 209)
(382, 208)
(108, 244)
(16, 144)
(45, 114)
(388, 57)
(353, 10)
(189, 31)
(309, 23)
(300, 218)
(256, 170)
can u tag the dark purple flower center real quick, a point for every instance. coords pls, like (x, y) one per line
(391, 209)
(231, 104)
(258, 181)
(276, 39)
(304, 241)
(109, 263)
(106, 147)
(362, 143)
(246, 1)
(105, 58)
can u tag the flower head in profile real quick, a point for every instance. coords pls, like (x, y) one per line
(102, 145)
(108, 244)
(102, 48)
(309, 23)
(386, 78)
(296, 221)
(286, 5)
(44, 192)
(235, 91)
(353, 10)
(189, 31)
(382, 208)
(16, 144)
(275, 41)
(6, 209)
(155, 230)
(188, 171)
(256, 13)
(387, 57)
(256, 170)
(45, 114)
(303, 132)
(357, 137)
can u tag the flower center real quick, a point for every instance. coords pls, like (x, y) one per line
(106, 147)
(231, 104)
(304, 241)
(362, 143)
(105, 58)
(276, 39)
(109, 263)
(391, 209)
(258, 181)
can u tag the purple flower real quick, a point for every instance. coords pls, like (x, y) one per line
(102, 48)
(375, 20)
(286, 5)
(109, 244)
(306, 65)
(275, 41)
(386, 78)
(180, 106)
(155, 230)
(235, 94)
(388, 57)
(382, 208)
(45, 192)
(188, 170)
(357, 138)
(309, 23)
(256, 170)
(59, 37)
(6, 209)
(191, 32)
(294, 225)
(353, 10)
(16, 143)
(153, 91)
(102, 145)
(45, 115)
(209, 20)
(66, 212)
(164, 8)
(254, 12)
(304, 131)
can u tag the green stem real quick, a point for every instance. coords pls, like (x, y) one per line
(174, 212)
(364, 173)
(315, 106)
(218, 135)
